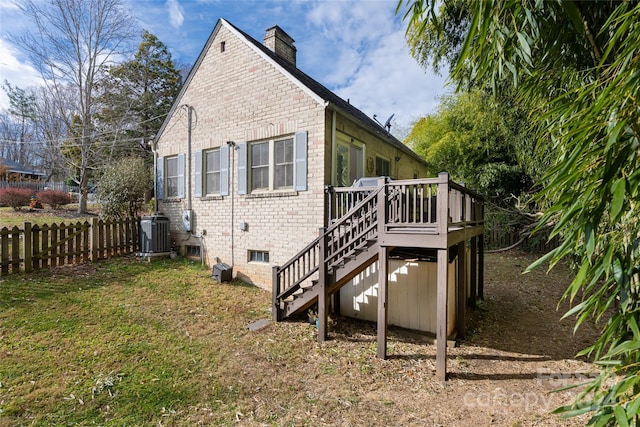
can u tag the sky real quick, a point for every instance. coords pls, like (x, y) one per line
(356, 48)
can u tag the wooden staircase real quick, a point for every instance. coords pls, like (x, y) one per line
(365, 225)
(340, 252)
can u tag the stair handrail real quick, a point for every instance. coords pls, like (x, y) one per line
(278, 293)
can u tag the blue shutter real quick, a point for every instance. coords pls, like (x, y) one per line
(242, 168)
(181, 168)
(300, 161)
(224, 170)
(197, 191)
(160, 178)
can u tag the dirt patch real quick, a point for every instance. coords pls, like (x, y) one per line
(516, 352)
(64, 213)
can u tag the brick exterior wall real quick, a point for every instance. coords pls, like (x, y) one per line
(237, 95)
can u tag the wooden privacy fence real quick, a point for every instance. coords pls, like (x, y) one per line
(498, 238)
(42, 246)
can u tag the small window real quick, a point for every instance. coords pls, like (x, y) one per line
(383, 167)
(212, 167)
(223, 46)
(259, 256)
(171, 180)
(192, 251)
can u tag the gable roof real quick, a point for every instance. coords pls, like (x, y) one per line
(16, 167)
(313, 88)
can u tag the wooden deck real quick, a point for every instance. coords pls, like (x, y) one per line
(363, 225)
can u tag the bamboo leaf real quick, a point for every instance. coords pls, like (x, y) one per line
(618, 190)
(621, 416)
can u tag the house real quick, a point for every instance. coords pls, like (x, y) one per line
(254, 168)
(11, 171)
(249, 146)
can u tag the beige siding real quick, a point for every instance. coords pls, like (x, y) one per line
(402, 165)
(412, 295)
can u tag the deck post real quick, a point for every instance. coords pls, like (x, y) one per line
(481, 266)
(383, 288)
(323, 306)
(474, 272)
(442, 214)
(275, 290)
(461, 290)
(441, 315)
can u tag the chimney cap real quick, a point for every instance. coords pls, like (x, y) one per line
(279, 32)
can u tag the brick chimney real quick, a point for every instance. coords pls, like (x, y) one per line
(281, 44)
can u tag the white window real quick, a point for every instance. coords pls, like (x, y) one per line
(284, 164)
(271, 164)
(260, 165)
(276, 164)
(259, 256)
(212, 168)
(171, 181)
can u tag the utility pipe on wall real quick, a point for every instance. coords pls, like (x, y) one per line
(232, 148)
(189, 123)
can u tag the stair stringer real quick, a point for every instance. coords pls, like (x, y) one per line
(340, 277)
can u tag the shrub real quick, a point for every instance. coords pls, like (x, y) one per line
(121, 188)
(53, 198)
(15, 197)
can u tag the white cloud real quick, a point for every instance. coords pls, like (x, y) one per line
(16, 72)
(359, 52)
(176, 13)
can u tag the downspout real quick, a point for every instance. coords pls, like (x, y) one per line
(333, 149)
(232, 148)
(189, 121)
(154, 150)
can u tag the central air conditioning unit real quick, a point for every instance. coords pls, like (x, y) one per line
(154, 235)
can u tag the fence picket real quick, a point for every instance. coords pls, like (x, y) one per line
(40, 246)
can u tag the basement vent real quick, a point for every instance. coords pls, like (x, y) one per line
(192, 251)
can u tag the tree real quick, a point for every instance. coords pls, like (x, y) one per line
(476, 140)
(122, 187)
(22, 110)
(137, 95)
(579, 64)
(72, 43)
(483, 141)
(53, 115)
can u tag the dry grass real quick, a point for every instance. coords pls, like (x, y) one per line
(67, 214)
(130, 343)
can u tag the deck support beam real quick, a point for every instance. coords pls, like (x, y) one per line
(461, 290)
(441, 315)
(481, 266)
(383, 291)
(323, 295)
(473, 288)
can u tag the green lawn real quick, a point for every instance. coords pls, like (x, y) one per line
(10, 217)
(126, 342)
(122, 343)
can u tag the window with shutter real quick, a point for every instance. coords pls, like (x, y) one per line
(171, 176)
(212, 174)
(275, 164)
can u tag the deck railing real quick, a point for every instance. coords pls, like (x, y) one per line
(42, 246)
(357, 216)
